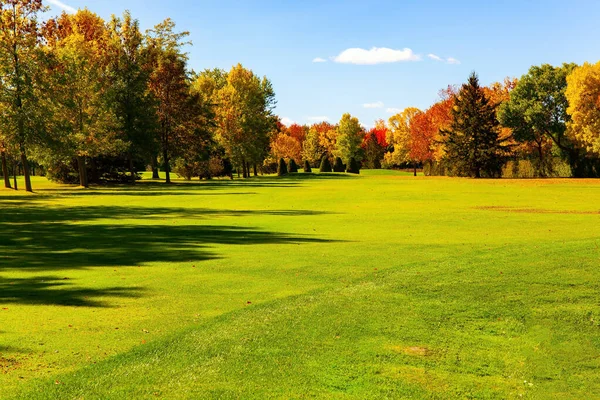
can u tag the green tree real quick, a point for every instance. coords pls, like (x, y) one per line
(133, 105)
(349, 139)
(472, 143)
(537, 110)
(325, 165)
(19, 68)
(312, 150)
(282, 168)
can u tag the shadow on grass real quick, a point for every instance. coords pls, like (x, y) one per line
(53, 290)
(49, 239)
(161, 188)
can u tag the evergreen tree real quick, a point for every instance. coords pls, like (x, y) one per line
(353, 167)
(339, 165)
(325, 165)
(282, 168)
(307, 167)
(472, 142)
(292, 166)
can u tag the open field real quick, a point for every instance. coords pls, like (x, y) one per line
(378, 286)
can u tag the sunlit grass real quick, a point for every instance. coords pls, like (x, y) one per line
(377, 286)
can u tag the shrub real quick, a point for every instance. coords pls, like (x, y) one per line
(353, 167)
(307, 166)
(339, 165)
(282, 168)
(292, 167)
(325, 165)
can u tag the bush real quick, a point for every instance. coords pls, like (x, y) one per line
(325, 165)
(292, 167)
(353, 167)
(282, 168)
(307, 166)
(339, 165)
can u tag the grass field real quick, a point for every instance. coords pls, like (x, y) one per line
(378, 286)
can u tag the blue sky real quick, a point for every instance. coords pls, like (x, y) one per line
(423, 45)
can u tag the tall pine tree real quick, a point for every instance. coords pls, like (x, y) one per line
(473, 146)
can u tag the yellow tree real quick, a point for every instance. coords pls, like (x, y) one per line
(80, 99)
(169, 84)
(285, 146)
(244, 117)
(583, 95)
(399, 136)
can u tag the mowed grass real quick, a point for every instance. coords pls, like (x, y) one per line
(378, 286)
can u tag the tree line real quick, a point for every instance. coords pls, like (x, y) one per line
(84, 100)
(546, 123)
(87, 100)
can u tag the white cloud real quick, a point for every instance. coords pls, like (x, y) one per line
(378, 104)
(392, 110)
(62, 5)
(449, 60)
(376, 55)
(319, 60)
(287, 121)
(318, 118)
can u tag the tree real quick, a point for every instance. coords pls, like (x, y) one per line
(325, 165)
(583, 95)
(129, 76)
(349, 139)
(292, 166)
(84, 122)
(19, 68)
(399, 136)
(168, 83)
(312, 150)
(282, 168)
(375, 144)
(537, 110)
(298, 132)
(285, 146)
(245, 117)
(353, 167)
(307, 167)
(472, 142)
(339, 166)
(327, 136)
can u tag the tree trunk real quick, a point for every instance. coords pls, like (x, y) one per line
(15, 175)
(167, 166)
(244, 170)
(255, 170)
(83, 180)
(5, 171)
(541, 169)
(155, 174)
(415, 168)
(28, 187)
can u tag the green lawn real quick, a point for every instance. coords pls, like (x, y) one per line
(378, 286)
